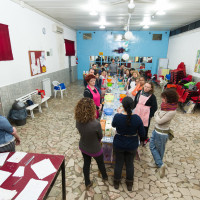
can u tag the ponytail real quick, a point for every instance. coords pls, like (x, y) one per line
(129, 113)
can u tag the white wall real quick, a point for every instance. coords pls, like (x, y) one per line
(183, 48)
(25, 28)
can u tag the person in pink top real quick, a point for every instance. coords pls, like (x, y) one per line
(145, 105)
(92, 92)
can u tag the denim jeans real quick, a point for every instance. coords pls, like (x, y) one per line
(121, 157)
(157, 147)
(86, 167)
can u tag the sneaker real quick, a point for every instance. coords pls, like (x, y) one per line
(162, 171)
(116, 184)
(89, 185)
(152, 165)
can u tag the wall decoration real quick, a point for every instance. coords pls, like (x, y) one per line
(37, 62)
(119, 50)
(197, 65)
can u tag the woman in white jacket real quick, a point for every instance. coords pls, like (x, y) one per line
(163, 117)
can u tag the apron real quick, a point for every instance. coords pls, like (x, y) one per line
(142, 110)
(96, 98)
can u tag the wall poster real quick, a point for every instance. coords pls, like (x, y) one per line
(197, 65)
(37, 62)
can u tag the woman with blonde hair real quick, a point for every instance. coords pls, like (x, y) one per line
(91, 135)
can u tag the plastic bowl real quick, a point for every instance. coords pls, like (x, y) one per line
(119, 80)
(109, 97)
(109, 80)
(122, 95)
(109, 84)
(108, 111)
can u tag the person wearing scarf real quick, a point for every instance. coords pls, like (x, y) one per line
(145, 105)
(163, 117)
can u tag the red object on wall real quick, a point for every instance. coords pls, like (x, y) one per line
(69, 48)
(5, 46)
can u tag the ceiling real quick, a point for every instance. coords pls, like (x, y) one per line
(75, 13)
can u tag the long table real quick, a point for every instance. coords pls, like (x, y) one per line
(57, 160)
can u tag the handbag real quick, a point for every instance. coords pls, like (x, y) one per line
(170, 134)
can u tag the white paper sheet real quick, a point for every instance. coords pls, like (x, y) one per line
(43, 168)
(16, 157)
(3, 176)
(3, 157)
(7, 194)
(19, 172)
(32, 190)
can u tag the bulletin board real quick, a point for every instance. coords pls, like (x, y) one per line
(197, 65)
(37, 62)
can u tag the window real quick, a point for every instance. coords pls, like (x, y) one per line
(5, 46)
(157, 36)
(87, 36)
(69, 47)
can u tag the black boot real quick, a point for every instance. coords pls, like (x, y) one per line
(116, 184)
(129, 185)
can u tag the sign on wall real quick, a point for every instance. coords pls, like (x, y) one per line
(197, 65)
(37, 62)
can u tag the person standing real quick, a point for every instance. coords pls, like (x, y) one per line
(163, 117)
(92, 92)
(8, 136)
(113, 68)
(126, 142)
(145, 105)
(90, 137)
(91, 71)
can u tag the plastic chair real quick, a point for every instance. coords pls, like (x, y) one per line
(57, 87)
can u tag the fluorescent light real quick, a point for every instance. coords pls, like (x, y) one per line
(145, 27)
(160, 12)
(131, 5)
(102, 27)
(93, 13)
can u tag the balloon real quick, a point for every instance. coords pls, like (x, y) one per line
(128, 35)
(125, 44)
(126, 49)
(125, 56)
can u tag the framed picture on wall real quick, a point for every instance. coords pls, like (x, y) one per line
(197, 65)
(37, 62)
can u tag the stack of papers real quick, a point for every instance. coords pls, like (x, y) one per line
(33, 190)
(3, 176)
(7, 194)
(16, 157)
(43, 168)
(19, 172)
(3, 157)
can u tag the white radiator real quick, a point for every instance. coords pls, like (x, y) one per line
(46, 84)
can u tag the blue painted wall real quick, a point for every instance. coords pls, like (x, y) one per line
(102, 41)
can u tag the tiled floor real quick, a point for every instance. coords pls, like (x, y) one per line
(54, 132)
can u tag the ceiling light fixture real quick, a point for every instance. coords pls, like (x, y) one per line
(102, 27)
(131, 5)
(145, 27)
(93, 13)
(160, 12)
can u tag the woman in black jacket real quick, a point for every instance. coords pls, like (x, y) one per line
(145, 105)
(125, 142)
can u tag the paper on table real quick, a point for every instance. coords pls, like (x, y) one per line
(7, 194)
(19, 172)
(32, 190)
(16, 157)
(3, 157)
(3, 176)
(43, 168)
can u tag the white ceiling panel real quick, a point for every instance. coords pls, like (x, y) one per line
(75, 13)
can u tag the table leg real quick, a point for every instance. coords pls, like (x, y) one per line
(63, 180)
